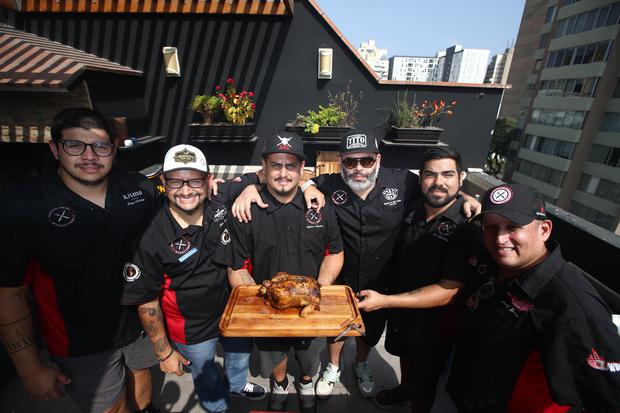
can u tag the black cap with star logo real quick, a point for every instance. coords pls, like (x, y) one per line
(284, 142)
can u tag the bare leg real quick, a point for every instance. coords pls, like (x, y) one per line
(334, 349)
(139, 388)
(363, 350)
(279, 372)
(120, 406)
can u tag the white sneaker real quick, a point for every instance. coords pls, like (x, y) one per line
(364, 379)
(325, 384)
(278, 396)
(306, 394)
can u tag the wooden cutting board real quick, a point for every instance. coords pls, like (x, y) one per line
(248, 315)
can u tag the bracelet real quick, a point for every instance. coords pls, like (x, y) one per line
(308, 183)
(161, 360)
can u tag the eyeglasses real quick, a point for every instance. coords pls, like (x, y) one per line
(178, 183)
(485, 291)
(366, 162)
(76, 148)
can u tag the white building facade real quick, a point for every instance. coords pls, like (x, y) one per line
(375, 57)
(413, 68)
(499, 67)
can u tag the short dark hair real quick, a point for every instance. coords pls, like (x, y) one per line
(79, 118)
(442, 152)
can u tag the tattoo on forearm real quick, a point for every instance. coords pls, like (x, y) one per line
(151, 328)
(17, 338)
(160, 345)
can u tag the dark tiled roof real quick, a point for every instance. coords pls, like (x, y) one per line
(30, 62)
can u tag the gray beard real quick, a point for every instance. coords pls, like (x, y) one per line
(360, 186)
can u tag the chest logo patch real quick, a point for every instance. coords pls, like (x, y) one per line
(446, 228)
(339, 197)
(180, 245)
(225, 238)
(133, 197)
(599, 363)
(313, 217)
(521, 305)
(482, 267)
(61, 216)
(131, 272)
(501, 195)
(390, 194)
(220, 214)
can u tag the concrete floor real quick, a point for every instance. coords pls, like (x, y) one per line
(176, 394)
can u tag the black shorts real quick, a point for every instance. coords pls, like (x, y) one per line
(273, 350)
(374, 322)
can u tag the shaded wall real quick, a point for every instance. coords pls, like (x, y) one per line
(275, 56)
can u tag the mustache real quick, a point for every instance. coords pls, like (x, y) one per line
(438, 188)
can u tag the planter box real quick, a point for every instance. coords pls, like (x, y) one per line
(326, 133)
(415, 135)
(199, 131)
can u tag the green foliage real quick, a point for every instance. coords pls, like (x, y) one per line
(207, 106)
(340, 111)
(503, 134)
(411, 115)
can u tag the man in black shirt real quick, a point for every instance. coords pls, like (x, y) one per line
(285, 236)
(428, 271)
(65, 237)
(173, 276)
(537, 336)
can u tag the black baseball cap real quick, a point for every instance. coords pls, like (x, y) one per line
(284, 142)
(358, 141)
(517, 203)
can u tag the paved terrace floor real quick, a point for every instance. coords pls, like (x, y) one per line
(176, 394)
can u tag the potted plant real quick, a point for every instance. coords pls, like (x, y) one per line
(413, 123)
(328, 122)
(225, 114)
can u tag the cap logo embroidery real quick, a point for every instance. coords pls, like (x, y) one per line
(61, 216)
(131, 272)
(339, 197)
(501, 195)
(390, 193)
(313, 216)
(599, 363)
(185, 156)
(284, 143)
(225, 238)
(356, 141)
(180, 245)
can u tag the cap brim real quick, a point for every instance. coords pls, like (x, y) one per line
(516, 217)
(165, 171)
(302, 156)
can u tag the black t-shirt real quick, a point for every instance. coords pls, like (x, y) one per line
(550, 309)
(427, 252)
(370, 227)
(176, 264)
(282, 237)
(72, 252)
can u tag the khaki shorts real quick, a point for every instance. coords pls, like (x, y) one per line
(97, 380)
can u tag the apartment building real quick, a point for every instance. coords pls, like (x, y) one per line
(413, 68)
(499, 67)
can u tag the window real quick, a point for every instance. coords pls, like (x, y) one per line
(559, 31)
(541, 172)
(544, 41)
(589, 23)
(560, 118)
(606, 155)
(550, 14)
(590, 214)
(608, 190)
(589, 20)
(601, 51)
(611, 122)
(617, 91)
(538, 65)
(614, 13)
(601, 16)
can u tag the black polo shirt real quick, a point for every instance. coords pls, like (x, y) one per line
(370, 227)
(550, 312)
(176, 264)
(72, 251)
(282, 237)
(427, 252)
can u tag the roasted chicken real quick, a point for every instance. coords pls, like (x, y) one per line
(285, 291)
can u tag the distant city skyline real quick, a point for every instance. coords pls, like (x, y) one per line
(421, 28)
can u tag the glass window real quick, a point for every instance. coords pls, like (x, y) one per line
(584, 182)
(601, 51)
(568, 120)
(550, 14)
(614, 157)
(581, 19)
(559, 31)
(559, 117)
(611, 122)
(578, 120)
(535, 115)
(588, 86)
(577, 88)
(599, 153)
(565, 149)
(617, 91)
(581, 50)
(544, 41)
(570, 25)
(608, 190)
(568, 56)
(550, 60)
(614, 13)
(570, 85)
(589, 53)
(589, 23)
(602, 16)
(530, 141)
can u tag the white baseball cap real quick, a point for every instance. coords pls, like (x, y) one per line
(185, 157)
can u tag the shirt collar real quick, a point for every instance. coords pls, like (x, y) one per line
(533, 280)
(453, 213)
(71, 198)
(274, 204)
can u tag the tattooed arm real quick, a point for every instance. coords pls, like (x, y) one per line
(152, 320)
(40, 382)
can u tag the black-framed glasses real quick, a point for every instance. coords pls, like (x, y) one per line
(178, 183)
(76, 148)
(366, 162)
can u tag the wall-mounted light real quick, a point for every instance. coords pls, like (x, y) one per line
(325, 63)
(171, 61)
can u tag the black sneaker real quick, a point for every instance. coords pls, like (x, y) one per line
(251, 391)
(390, 398)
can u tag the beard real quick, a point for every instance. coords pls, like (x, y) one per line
(360, 186)
(434, 202)
(86, 182)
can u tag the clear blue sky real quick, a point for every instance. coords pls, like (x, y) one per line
(422, 27)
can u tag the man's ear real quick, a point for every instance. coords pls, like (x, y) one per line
(462, 176)
(545, 229)
(302, 166)
(54, 149)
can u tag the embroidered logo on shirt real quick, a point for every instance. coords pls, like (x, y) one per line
(220, 214)
(599, 363)
(501, 195)
(180, 245)
(133, 197)
(131, 272)
(446, 228)
(339, 197)
(61, 216)
(390, 193)
(519, 304)
(225, 238)
(313, 216)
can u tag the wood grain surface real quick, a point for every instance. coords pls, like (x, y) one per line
(249, 315)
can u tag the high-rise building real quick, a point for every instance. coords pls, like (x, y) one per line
(375, 57)
(413, 68)
(569, 147)
(464, 65)
(499, 67)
